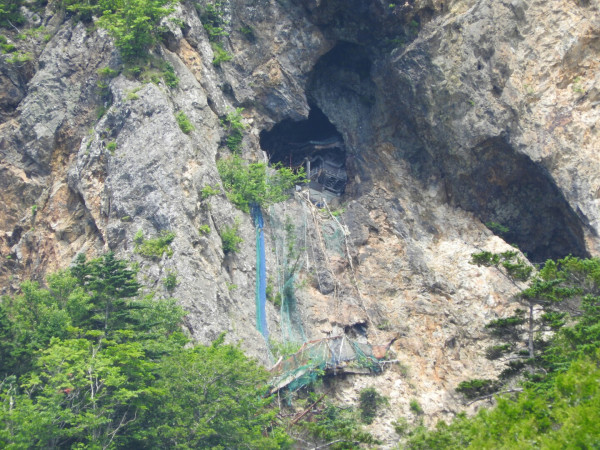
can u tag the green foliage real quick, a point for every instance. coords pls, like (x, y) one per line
(151, 70)
(497, 228)
(515, 266)
(111, 147)
(154, 248)
(565, 415)
(401, 426)
(272, 294)
(204, 229)
(170, 281)
(253, 183)
(100, 111)
(234, 125)
(184, 123)
(10, 14)
(559, 406)
(212, 17)
(506, 326)
(132, 95)
(338, 212)
(414, 26)
(107, 72)
(485, 258)
(220, 55)
(6, 46)
(496, 351)
(221, 406)
(19, 58)
(230, 238)
(133, 24)
(88, 364)
(283, 349)
(369, 401)
(169, 76)
(247, 30)
(208, 191)
(338, 427)
(576, 86)
(477, 388)
(415, 406)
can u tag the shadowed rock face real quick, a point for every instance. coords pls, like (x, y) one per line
(289, 138)
(499, 185)
(490, 179)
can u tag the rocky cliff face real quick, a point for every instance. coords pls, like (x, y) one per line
(452, 114)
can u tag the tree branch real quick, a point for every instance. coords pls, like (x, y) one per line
(495, 393)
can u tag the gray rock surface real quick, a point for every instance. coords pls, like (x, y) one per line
(453, 114)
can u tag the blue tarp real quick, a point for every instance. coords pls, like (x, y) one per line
(261, 273)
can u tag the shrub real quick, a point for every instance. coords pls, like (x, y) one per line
(154, 248)
(283, 349)
(107, 72)
(20, 58)
(234, 125)
(169, 76)
(415, 407)
(497, 228)
(220, 54)
(134, 24)
(369, 402)
(184, 123)
(248, 184)
(476, 388)
(496, 351)
(272, 296)
(208, 191)
(336, 428)
(230, 238)
(111, 147)
(213, 21)
(10, 13)
(204, 229)
(170, 281)
(6, 46)
(401, 426)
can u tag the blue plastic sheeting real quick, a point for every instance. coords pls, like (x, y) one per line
(261, 273)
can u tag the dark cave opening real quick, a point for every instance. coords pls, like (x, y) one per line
(504, 187)
(313, 144)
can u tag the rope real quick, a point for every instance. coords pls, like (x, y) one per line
(345, 232)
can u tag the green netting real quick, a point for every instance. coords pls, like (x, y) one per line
(333, 237)
(261, 275)
(289, 240)
(316, 357)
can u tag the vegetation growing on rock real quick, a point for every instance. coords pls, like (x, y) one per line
(255, 183)
(558, 403)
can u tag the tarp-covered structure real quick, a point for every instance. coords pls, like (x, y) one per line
(337, 354)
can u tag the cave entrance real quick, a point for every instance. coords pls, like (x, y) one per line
(313, 144)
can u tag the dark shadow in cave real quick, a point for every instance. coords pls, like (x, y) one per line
(314, 144)
(502, 186)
